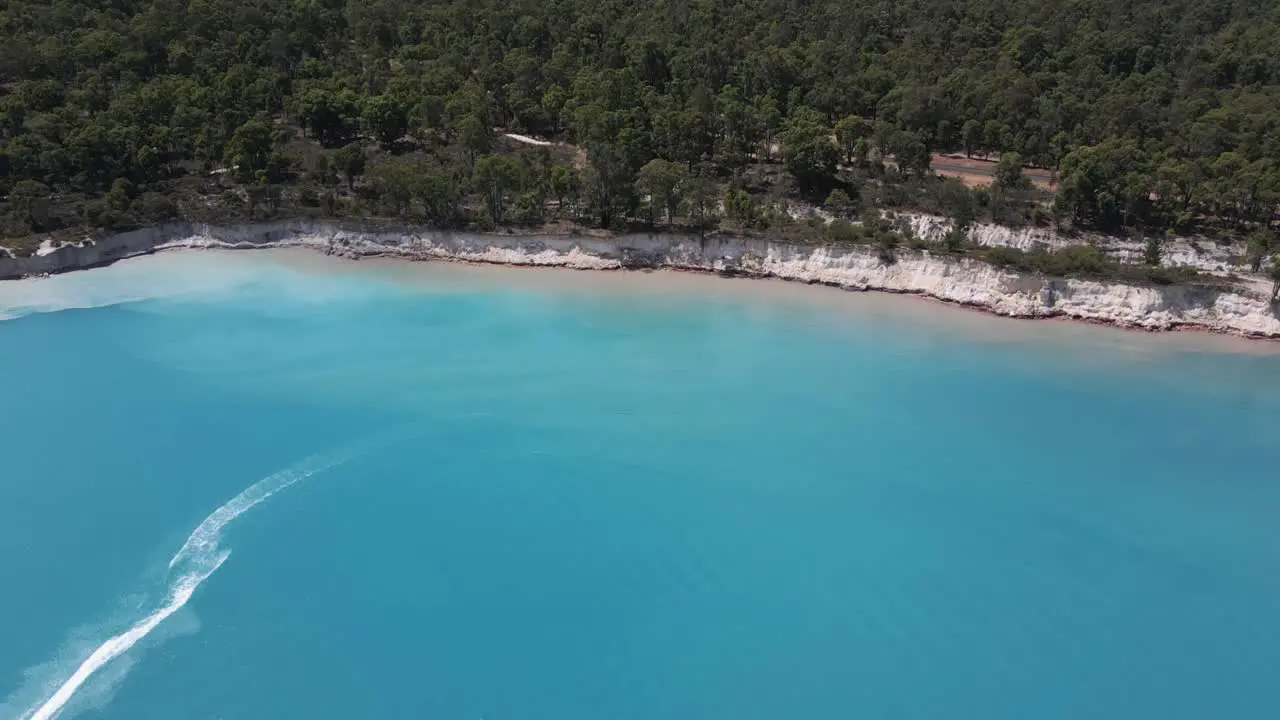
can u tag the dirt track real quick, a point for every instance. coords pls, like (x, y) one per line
(975, 172)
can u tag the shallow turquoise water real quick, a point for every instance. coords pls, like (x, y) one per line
(496, 501)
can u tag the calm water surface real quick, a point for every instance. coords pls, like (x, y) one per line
(253, 486)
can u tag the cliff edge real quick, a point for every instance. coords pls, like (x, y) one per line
(1244, 310)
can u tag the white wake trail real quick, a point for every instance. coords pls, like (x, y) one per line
(113, 648)
(197, 560)
(204, 539)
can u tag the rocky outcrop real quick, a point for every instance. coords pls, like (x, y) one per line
(967, 282)
(1202, 253)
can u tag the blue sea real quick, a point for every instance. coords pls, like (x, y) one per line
(262, 485)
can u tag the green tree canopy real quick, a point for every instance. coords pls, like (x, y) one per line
(809, 152)
(662, 183)
(497, 177)
(1104, 184)
(1155, 114)
(387, 118)
(351, 160)
(1009, 175)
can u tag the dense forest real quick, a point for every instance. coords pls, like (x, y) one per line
(1156, 115)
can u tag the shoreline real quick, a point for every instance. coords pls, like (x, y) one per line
(958, 282)
(677, 288)
(974, 308)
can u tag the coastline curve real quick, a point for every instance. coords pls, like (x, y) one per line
(962, 281)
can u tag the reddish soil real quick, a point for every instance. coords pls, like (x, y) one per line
(979, 172)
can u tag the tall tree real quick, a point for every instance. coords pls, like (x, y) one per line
(396, 184)
(351, 160)
(1009, 175)
(661, 181)
(608, 183)
(474, 134)
(971, 137)
(849, 131)
(1261, 244)
(26, 199)
(387, 118)
(810, 154)
(250, 146)
(497, 177)
(701, 200)
(330, 117)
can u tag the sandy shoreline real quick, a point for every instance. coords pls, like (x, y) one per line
(677, 286)
(961, 283)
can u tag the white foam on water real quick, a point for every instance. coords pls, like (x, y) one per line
(115, 646)
(198, 559)
(204, 539)
(173, 276)
(269, 284)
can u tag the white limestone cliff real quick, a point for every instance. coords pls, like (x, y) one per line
(1244, 311)
(1201, 253)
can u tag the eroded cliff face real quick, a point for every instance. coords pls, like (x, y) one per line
(1201, 253)
(973, 283)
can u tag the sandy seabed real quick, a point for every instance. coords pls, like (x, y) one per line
(670, 287)
(767, 294)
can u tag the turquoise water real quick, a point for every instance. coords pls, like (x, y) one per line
(255, 490)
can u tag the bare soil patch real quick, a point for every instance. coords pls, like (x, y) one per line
(980, 172)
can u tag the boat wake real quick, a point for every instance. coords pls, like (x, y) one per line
(199, 557)
(179, 594)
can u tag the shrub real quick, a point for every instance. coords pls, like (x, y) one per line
(1151, 255)
(842, 231)
(839, 203)
(886, 242)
